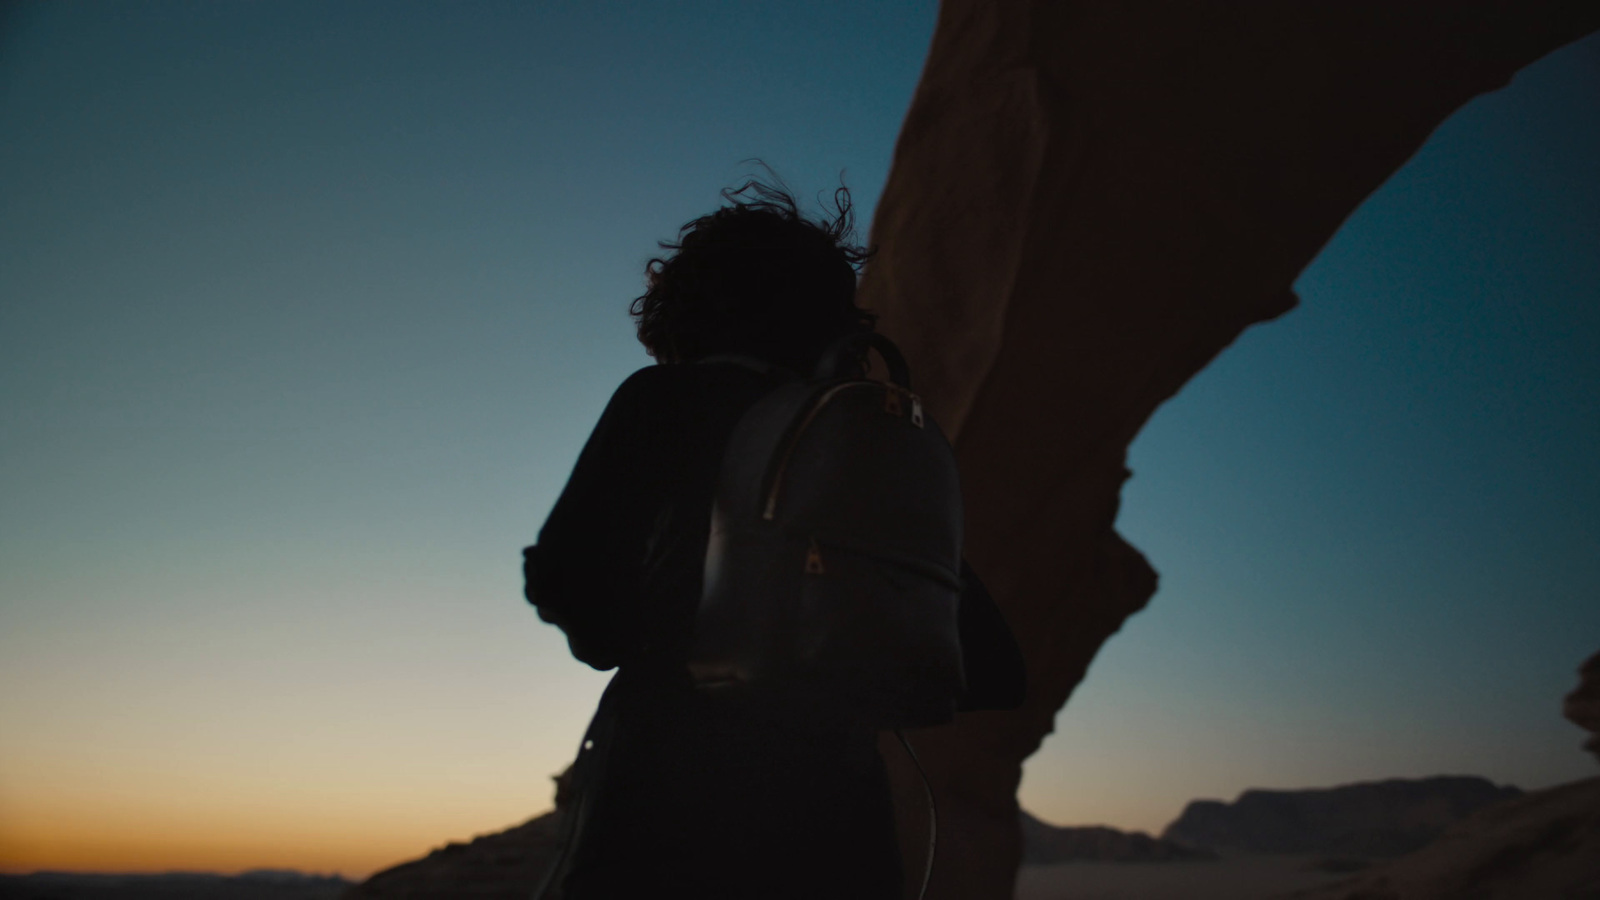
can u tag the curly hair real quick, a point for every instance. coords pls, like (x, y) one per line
(755, 277)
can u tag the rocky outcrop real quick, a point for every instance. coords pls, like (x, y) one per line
(1043, 843)
(1583, 704)
(1372, 819)
(1544, 844)
(506, 865)
(1088, 202)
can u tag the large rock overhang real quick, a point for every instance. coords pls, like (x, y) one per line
(1088, 202)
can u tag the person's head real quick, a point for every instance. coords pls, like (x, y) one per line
(755, 278)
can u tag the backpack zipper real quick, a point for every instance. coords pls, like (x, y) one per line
(771, 508)
(816, 562)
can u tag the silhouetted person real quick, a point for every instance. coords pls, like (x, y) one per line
(687, 794)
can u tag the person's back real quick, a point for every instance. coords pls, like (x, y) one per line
(685, 793)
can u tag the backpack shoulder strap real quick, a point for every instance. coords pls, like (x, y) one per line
(771, 370)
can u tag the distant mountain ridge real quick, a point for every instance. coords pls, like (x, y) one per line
(1543, 844)
(1044, 843)
(1368, 819)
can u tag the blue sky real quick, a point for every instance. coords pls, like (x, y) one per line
(305, 310)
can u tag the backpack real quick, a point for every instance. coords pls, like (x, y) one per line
(832, 573)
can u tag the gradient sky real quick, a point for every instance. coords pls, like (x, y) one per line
(305, 310)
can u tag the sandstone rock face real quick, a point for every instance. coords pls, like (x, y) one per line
(1373, 819)
(1043, 843)
(1583, 704)
(1088, 202)
(1544, 845)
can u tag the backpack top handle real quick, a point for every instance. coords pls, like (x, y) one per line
(842, 356)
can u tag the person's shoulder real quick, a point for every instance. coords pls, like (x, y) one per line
(646, 379)
(672, 379)
(658, 392)
(653, 383)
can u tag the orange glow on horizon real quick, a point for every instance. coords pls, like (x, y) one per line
(318, 847)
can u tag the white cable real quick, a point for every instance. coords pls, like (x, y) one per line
(933, 814)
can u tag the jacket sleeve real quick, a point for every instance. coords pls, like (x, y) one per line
(997, 675)
(586, 572)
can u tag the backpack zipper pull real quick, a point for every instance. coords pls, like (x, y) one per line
(814, 560)
(891, 400)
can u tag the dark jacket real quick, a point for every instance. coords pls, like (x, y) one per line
(706, 798)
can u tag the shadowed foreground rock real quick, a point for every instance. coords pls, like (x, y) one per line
(1088, 202)
(1372, 819)
(1545, 844)
(1043, 843)
(261, 884)
(506, 865)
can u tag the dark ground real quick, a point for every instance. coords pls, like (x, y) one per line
(171, 886)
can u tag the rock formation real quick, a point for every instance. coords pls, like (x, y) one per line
(1544, 844)
(1088, 202)
(1583, 704)
(1372, 819)
(1043, 843)
(506, 865)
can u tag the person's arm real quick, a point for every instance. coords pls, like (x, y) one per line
(997, 675)
(586, 572)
